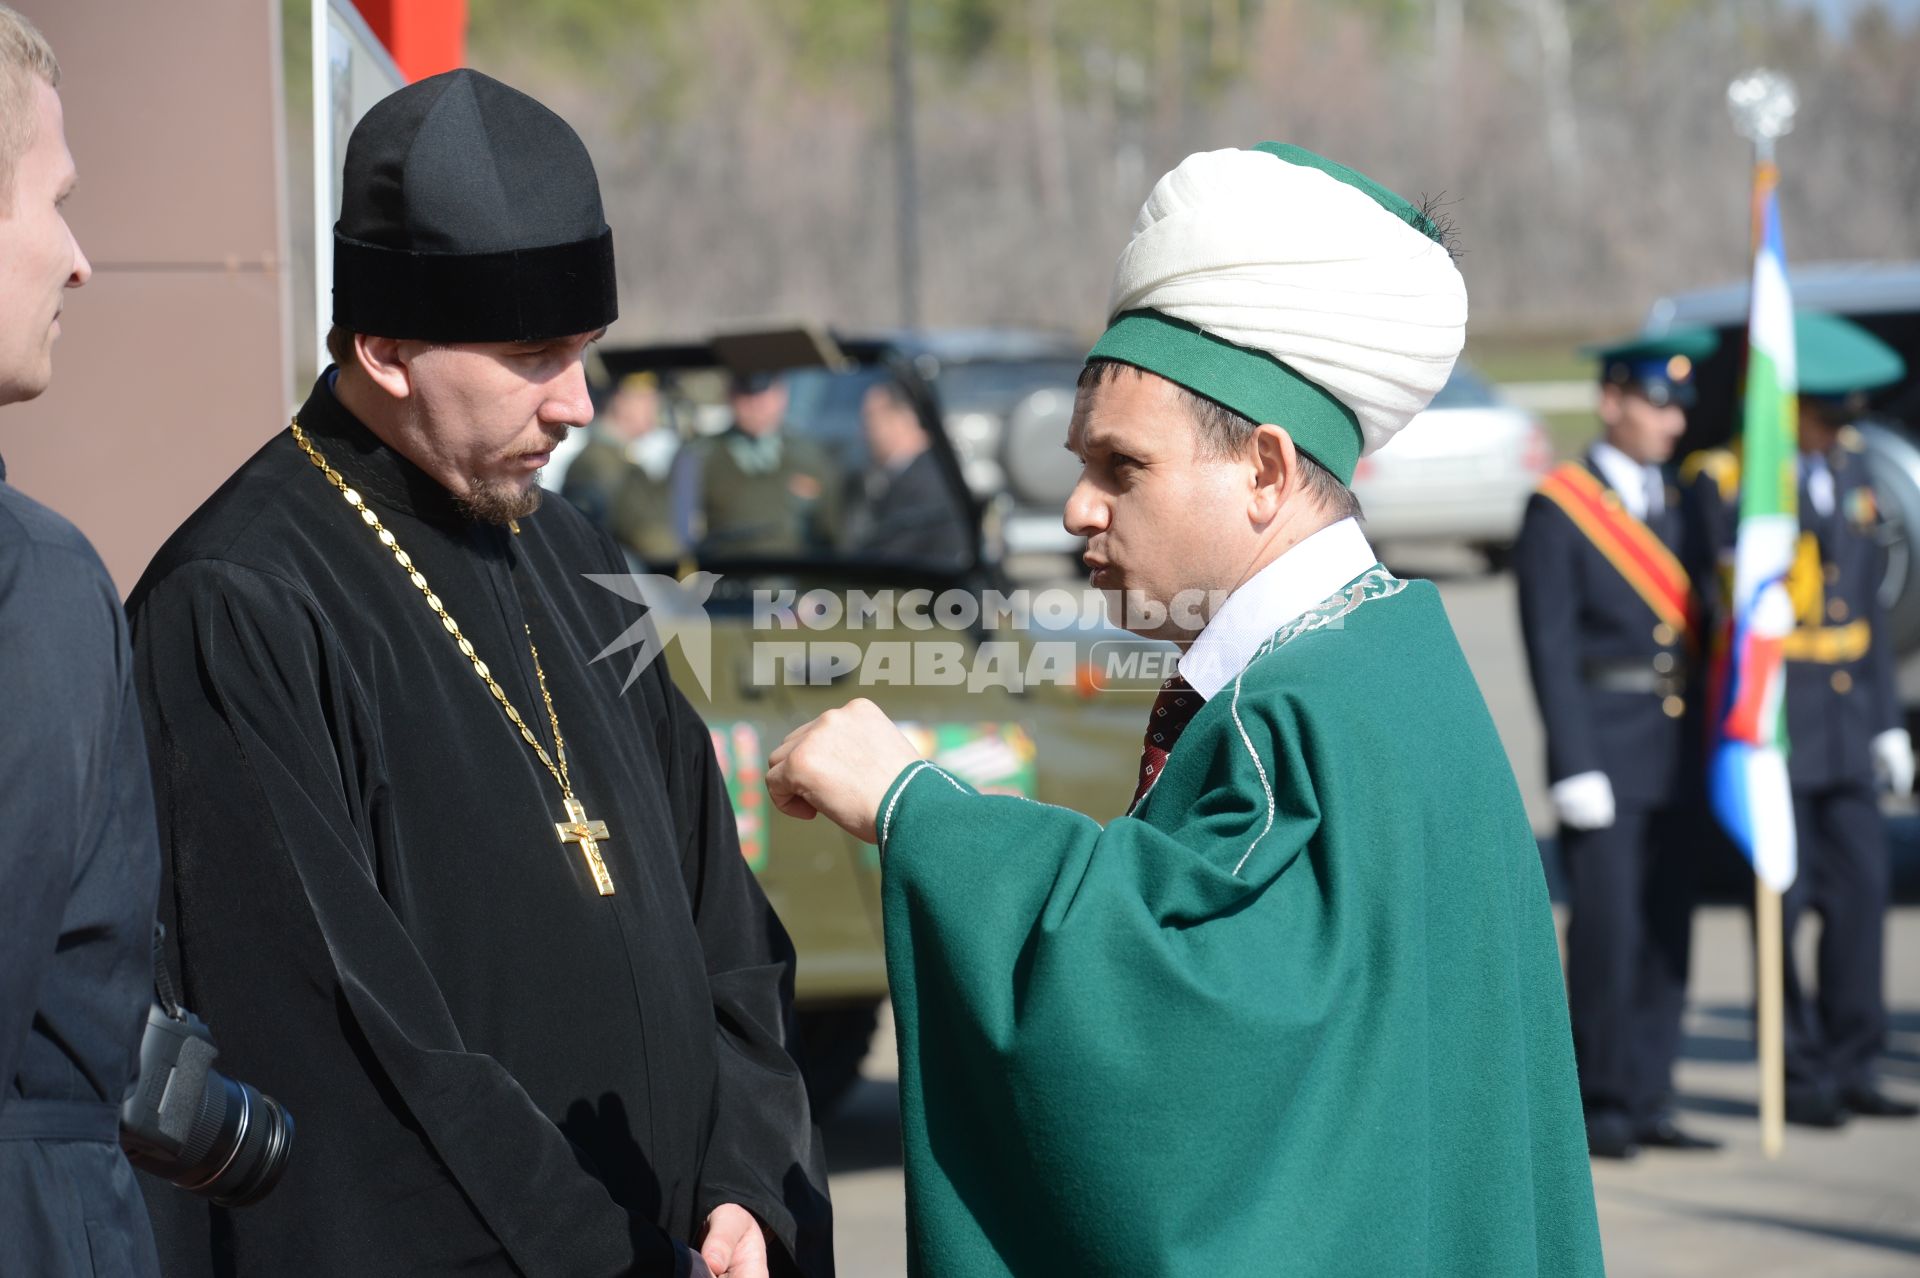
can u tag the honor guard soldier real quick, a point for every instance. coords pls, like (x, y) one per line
(1609, 618)
(1844, 726)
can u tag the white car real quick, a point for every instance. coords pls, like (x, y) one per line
(1461, 472)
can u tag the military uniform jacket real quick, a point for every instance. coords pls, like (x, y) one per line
(621, 497)
(1840, 682)
(725, 510)
(1610, 674)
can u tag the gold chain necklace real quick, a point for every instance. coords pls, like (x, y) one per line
(577, 828)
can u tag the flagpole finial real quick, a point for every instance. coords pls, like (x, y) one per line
(1763, 103)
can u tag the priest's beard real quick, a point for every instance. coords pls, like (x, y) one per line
(493, 501)
(499, 503)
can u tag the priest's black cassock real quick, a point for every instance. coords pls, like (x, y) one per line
(493, 1069)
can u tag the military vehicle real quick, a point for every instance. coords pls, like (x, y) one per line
(1040, 698)
(986, 380)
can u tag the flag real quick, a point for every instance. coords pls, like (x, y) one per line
(1748, 777)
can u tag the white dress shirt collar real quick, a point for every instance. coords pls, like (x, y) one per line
(1633, 483)
(1272, 597)
(1818, 475)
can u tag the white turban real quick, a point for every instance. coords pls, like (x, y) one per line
(1329, 277)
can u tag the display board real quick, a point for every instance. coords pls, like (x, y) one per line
(351, 71)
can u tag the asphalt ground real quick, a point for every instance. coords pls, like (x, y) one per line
(1840, 1204)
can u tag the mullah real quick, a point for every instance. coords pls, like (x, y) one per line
(1299, 1010)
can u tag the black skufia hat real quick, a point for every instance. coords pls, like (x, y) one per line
(470, 213)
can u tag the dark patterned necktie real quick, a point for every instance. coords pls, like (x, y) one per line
(1173, 709)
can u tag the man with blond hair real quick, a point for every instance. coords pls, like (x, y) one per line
(79, 859)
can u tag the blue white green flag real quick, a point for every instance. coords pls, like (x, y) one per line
(1749, 786)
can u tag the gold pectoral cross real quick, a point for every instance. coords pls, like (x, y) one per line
(577, 829)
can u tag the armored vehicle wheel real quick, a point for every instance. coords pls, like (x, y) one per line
(1894, 463)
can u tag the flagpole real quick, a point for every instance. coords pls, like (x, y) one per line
(1773, 1053)
(1763, 105)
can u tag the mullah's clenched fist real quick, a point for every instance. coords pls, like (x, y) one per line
(839, 766)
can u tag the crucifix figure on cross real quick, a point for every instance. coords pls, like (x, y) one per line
(578, 829)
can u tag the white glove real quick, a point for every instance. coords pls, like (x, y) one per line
(1585, 802)
(1893, 760)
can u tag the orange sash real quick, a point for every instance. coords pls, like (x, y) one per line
(1629, 545)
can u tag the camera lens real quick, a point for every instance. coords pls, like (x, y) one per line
(188, 1123)
(238, 1146)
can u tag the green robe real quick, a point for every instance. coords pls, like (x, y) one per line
(1299, 1013)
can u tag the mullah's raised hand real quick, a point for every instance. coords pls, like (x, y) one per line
(839, 766)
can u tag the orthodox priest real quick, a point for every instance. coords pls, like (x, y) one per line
(1299, 1010)
(476, 917)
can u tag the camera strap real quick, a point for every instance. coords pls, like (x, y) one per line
(162, 975)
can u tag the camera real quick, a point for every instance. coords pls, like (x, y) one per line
(187, 1123)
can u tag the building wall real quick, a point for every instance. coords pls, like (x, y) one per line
(173, 363)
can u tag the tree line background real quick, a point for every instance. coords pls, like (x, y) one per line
(1581, 148)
